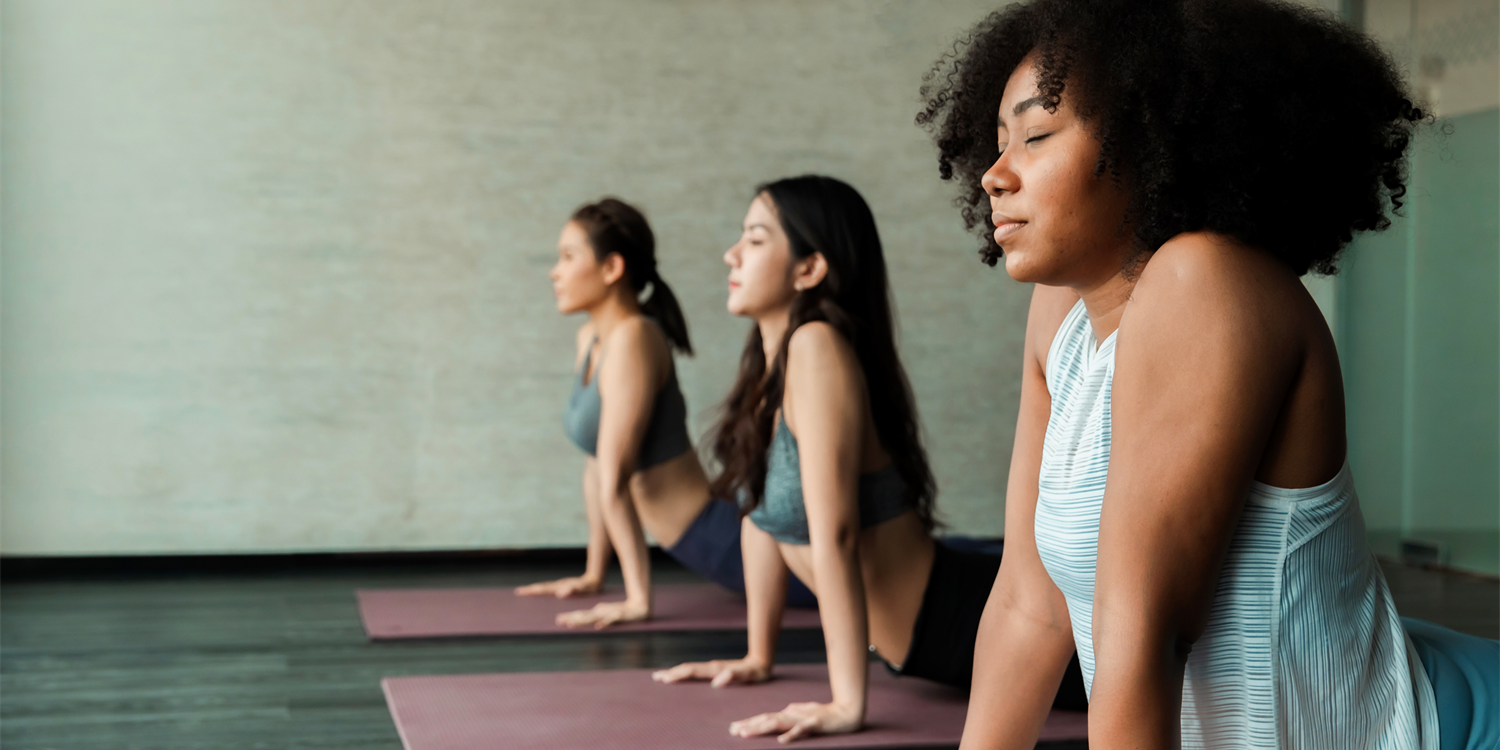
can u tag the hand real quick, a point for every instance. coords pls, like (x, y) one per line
(605, 614)
(744, 671)
(563, 588)
(801, 720)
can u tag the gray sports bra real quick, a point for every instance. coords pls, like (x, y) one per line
(882, 493)
(666, 437)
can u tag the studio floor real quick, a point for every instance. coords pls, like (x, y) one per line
(276, 657)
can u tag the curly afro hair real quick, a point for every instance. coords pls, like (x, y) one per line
(1261, 120)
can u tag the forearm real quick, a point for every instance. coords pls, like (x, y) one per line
(1137, 691)
(841, 604)
(629, 541)
(765, 591)
(1019, 662)
(599, 548)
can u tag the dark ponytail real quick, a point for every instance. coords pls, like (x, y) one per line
(614, 226)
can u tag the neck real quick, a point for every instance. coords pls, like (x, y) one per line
(772, 329)
(610, 312)
(1105, 302)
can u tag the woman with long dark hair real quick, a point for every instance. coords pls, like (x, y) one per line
(627, 413)
(1180, 508)
(819, 437)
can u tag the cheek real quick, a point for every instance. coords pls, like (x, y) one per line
(766, 277)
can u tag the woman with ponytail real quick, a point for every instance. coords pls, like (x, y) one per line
(627, 413)
(819, 438)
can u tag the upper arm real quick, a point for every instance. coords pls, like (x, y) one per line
(1023, 584)
(1201, 369)
(628, 380)
(825, 400)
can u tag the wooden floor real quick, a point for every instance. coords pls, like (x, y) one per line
(278, 659)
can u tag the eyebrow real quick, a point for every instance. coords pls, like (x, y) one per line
(1022, 106)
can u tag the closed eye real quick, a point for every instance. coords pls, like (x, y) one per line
(1035, 138)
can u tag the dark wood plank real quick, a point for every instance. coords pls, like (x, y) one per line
(245, 660)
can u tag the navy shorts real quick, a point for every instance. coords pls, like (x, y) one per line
(710, 547)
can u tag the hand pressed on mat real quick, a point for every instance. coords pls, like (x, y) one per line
(720, 672)
(605, 614)
(563, 588)
(799, 720)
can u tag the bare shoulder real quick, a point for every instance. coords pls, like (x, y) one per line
(637, 337)
(818, 345)
(1215, 268)
(1202, 285)
(823, 377)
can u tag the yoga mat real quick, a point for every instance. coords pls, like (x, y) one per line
(625, 710)
(437, 613)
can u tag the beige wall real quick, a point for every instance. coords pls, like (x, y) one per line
(274, 272)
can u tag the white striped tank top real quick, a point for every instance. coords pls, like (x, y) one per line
(1303, 647)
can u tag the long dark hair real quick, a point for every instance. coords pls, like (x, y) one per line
(614, 226)
(824, 215)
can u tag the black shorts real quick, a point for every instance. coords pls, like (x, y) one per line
(942, 642)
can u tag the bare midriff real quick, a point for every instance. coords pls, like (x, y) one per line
(669, 496)
(895, 561)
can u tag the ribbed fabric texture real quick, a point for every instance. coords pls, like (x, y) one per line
(666, 435)
(1303, 647)
(881, 494)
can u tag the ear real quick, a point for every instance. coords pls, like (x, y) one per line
(809, 272)
(613, 268)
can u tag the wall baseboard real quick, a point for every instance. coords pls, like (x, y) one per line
(14, 568)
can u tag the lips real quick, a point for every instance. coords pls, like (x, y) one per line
(1006, 227)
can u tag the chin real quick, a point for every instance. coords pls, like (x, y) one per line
(1024, 266)
(734, 306)
(1016, 266)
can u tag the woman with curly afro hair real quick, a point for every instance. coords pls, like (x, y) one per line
(1180, 508)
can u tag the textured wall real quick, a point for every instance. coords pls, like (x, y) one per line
(274, 272)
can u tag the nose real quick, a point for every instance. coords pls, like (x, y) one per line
(1000, 178)
(732, 256)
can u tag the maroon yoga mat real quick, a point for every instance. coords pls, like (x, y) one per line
(625, 710)
(436, 613)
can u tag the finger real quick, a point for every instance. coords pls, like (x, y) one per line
(684, 671)
(758, 725)
(575, 619)
(803, 728)
(723, 678)
(670, 674)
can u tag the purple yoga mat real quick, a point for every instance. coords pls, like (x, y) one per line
(625, 710)
(436, 613)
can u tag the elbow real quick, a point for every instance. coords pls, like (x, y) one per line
(1144, 641)
(842, 540)
(615, 487)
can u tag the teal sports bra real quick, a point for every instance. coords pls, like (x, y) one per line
(782, 514)
(666, 437)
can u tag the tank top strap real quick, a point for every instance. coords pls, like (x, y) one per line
(588, 362)
(1066, 344)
